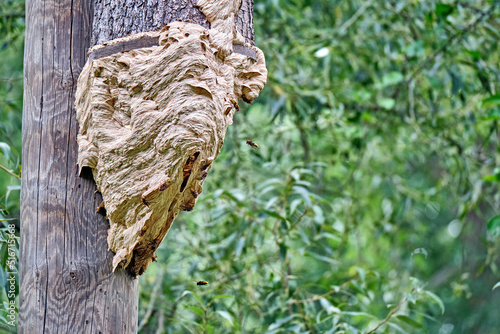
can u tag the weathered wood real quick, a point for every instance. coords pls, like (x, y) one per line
(119, 18)
(67, 285)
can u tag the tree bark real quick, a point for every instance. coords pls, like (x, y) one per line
(120, 18)
(67, 285)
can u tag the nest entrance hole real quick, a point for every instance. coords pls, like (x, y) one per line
(186, 170)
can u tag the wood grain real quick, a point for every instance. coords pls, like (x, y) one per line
(67, 285)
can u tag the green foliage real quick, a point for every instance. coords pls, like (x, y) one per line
(366, 207)
(11, 95)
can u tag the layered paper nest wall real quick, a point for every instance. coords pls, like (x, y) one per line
(153, 120)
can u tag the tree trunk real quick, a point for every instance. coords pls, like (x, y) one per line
(66, 281)
(67, 285)
(120, 18)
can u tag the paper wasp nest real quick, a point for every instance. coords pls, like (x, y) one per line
(152, 121)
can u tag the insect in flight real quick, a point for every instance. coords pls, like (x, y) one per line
(201, 282)
(251, 143)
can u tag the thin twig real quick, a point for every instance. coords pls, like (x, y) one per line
(13, 14)
(154, 293)
(10, 172)
(161, 320)
(394, 310)
(319, 297)
(411, 102)
(450, 40)
(11, 79)
(360, 107)
(356, 15)
(474, 9)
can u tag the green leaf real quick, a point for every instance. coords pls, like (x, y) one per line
(410, 321)
(226, 316)
(322, 258)
(198, 298)
(494, 226)
(306, 194)
(239, 247)
(196, 310)
(210, 329)
(491, 101)
(396, 327)
(319, 218)
(326, 305)
(5, 148)
(327, 235)
(493, 114)
(386, 103)
(363, 314)
(443, 10)
(221, 296)
(475, 54)
(283, 251)
(361, 273)
(436, 299)
(492, 178)
(495, 286)
(392, 78)
(279, 322)
(274, 214)
(267, 189)
(295, 203)
(416, 49)
(368, 117)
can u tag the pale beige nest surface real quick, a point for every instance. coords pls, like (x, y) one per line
(153, 120)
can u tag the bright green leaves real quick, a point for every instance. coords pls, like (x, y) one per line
(443, 10)
(436, 299)
(386, 103)
(5, 148)
(206, 319)
(495, 177)
(11, 160)
(492, 101)
(493, 104)
(494, 226)
(397, 102)
(392, 78)
(415, 50)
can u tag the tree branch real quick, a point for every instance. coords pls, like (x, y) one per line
(356, 15)
(13, 14)
(154, 293)
(388, 316)
(319, 297)
(10, 172)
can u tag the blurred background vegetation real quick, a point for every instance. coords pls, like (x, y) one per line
(371, 204)
(11, 105)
